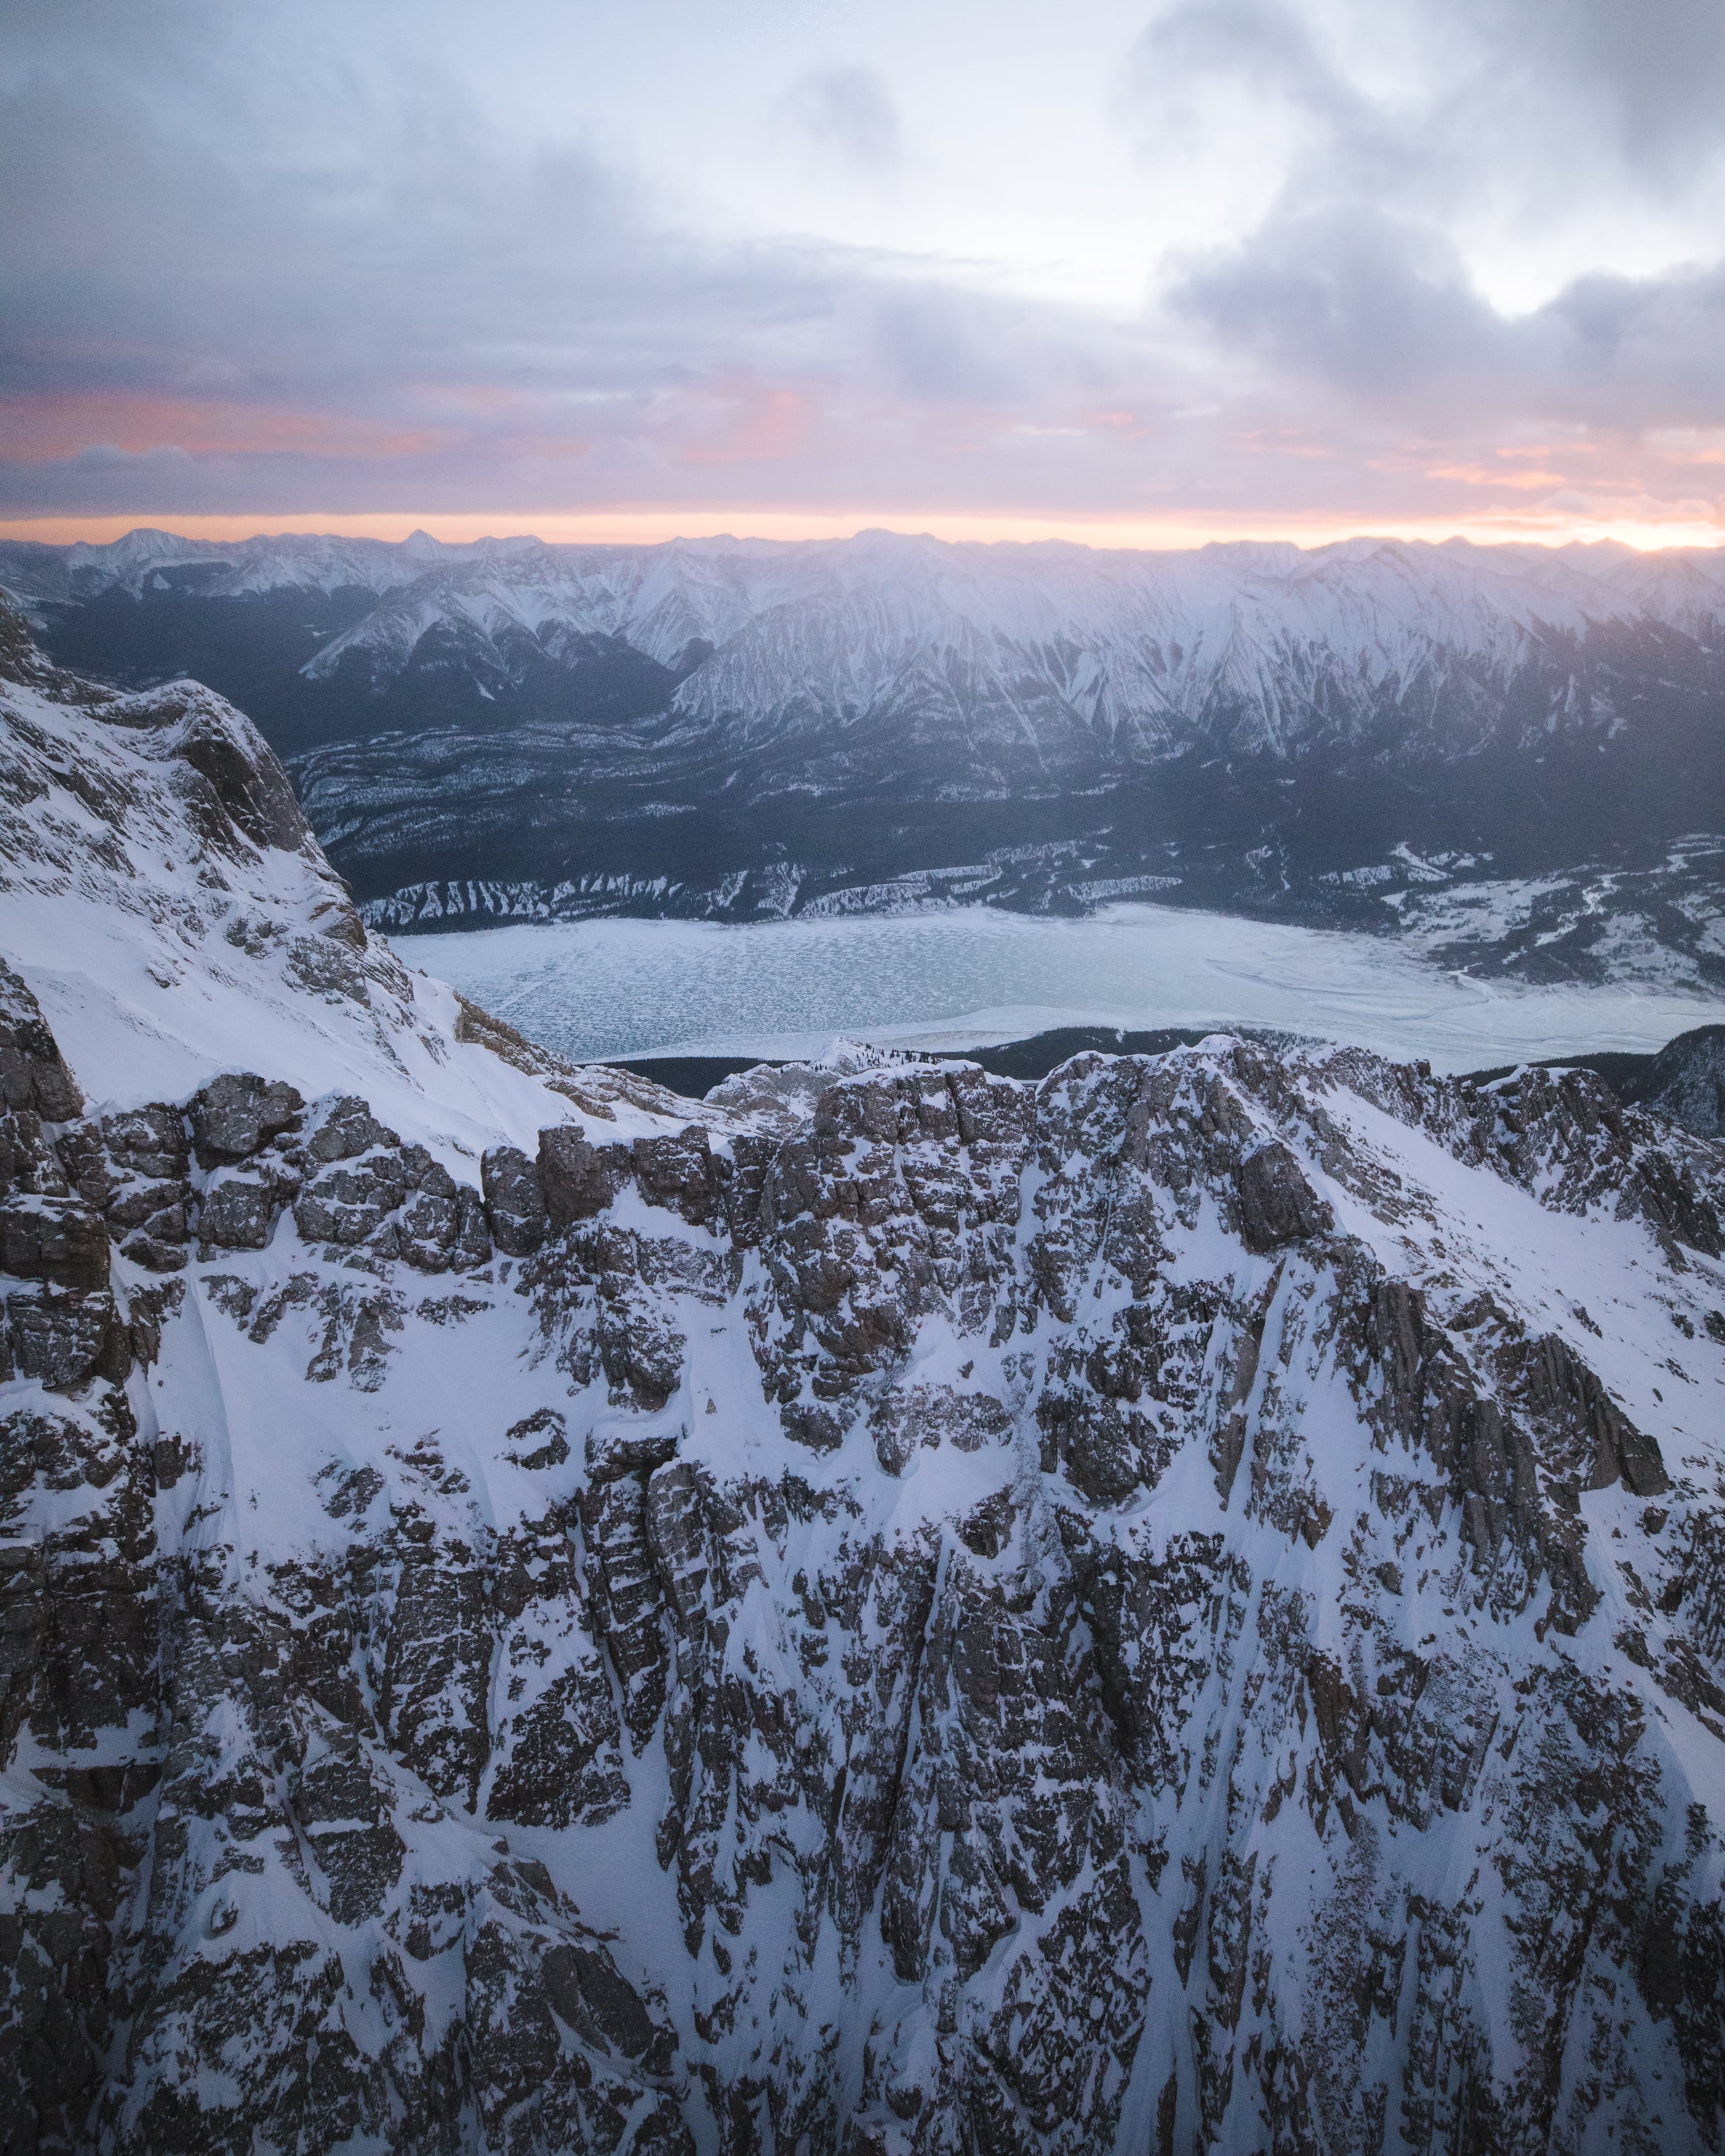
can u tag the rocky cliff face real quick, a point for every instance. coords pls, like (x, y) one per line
(1178, 1608)
(1686, 1081)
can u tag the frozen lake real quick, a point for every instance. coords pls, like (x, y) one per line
(593, 989)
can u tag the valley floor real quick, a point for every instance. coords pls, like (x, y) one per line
(966, 976)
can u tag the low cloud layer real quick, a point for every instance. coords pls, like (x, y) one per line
(1376, 273)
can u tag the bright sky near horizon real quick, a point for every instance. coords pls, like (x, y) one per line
(1145, 273)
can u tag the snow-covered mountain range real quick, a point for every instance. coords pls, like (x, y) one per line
(900, 1613)
(1118, 636)
(700, 727)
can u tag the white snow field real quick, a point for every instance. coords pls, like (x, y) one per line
(591, 989)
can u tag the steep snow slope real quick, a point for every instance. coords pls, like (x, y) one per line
(1179, 1607)
(177, 919)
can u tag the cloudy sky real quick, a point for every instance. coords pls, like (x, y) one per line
(1140, 272)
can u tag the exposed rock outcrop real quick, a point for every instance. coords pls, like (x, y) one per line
(1025, 1547)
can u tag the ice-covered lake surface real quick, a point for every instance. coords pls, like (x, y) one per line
(594, 989)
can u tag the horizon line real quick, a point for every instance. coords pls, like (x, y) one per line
(656, 527)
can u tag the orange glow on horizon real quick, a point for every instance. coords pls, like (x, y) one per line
(641, 526)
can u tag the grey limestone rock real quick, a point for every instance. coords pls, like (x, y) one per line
(53, 1239)
(237, 1212)
(146, 1170)
(1277, 1204)
(348, 1203)
(234, 1116)
(515, 1202)
(542, 1440)
(63, 1336)
(244, 785)
(346, 1126)
(33, 1074)
(365, 1189)
(578, 1178)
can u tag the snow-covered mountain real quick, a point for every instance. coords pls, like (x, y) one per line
(904, 1612)
(1121, 636)
(677, 727)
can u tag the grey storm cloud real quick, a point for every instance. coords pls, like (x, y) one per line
(231, 286)
(1651, 73)
(1353, 282)
(529, 313)
(1381, 311)
(1375, 309)
(1528, 97)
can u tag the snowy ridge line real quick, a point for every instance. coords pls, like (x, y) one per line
(1132, 643)
(617, 586)
(164, 894)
